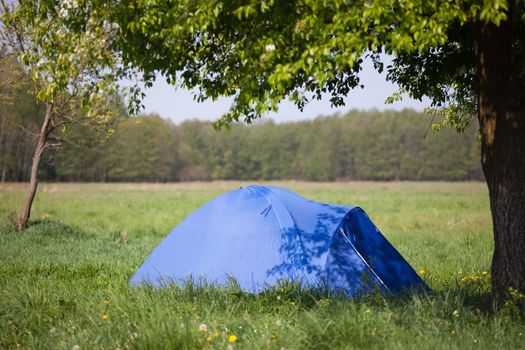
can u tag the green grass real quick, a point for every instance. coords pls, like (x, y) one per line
(55, 277)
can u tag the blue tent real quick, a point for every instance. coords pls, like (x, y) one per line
(260, 235)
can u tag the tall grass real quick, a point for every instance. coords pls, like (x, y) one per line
(63, 282)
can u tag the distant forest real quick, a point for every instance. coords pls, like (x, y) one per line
(371, 145)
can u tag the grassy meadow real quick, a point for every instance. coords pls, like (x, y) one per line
(63, 282)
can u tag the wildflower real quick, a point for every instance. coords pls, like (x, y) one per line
(270, 47)
(209, 338)
(422, 271)
(455, 313)
(203, 327)
(232, 338)
(106, 302)
(274, 337)
(45, 216)
(484, 273)
(215, 334)
(75, 347)
(135, 335)
(278, 323)
(464, 279)
(105, 316)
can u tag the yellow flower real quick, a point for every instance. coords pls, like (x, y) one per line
(422, 271)
(45, 216)
(209, 338)
(105, 316)
(484, 273)
(274, 337)
(232, 338)
(215, 334)
(106, 302)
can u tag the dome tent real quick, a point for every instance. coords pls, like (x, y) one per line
(260, 235)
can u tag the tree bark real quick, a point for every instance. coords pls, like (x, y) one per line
(501, 117)
(33, 180)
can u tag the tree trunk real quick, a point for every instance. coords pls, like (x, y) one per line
(501, 116)
(33, 180)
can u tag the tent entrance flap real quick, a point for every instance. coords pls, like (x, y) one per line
(345, 236)
(384, 260)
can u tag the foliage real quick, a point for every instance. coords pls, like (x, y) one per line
(72, 70)
(352, 147)
(20, 117)
(261, 52)
(69, 269)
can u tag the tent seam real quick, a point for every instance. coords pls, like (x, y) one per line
(277, 215)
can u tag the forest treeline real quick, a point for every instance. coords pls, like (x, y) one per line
(373, 145)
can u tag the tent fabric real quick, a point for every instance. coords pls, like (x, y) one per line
(260, 235)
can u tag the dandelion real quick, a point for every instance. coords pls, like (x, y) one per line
(422, 271)
(106, 302)
(203, 327)
(484, 273)
(209, 338)
(232, 338)
(105, 316)
(215, 334)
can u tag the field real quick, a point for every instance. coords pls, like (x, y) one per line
(63, 282)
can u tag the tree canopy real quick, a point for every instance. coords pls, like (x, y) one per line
(264, 51)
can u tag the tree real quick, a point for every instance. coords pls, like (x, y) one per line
(468, 57)
(65, 50)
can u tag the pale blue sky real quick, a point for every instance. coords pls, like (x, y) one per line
(179, 105)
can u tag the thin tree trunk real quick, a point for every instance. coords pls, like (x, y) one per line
(502, 124)
(33, 181)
